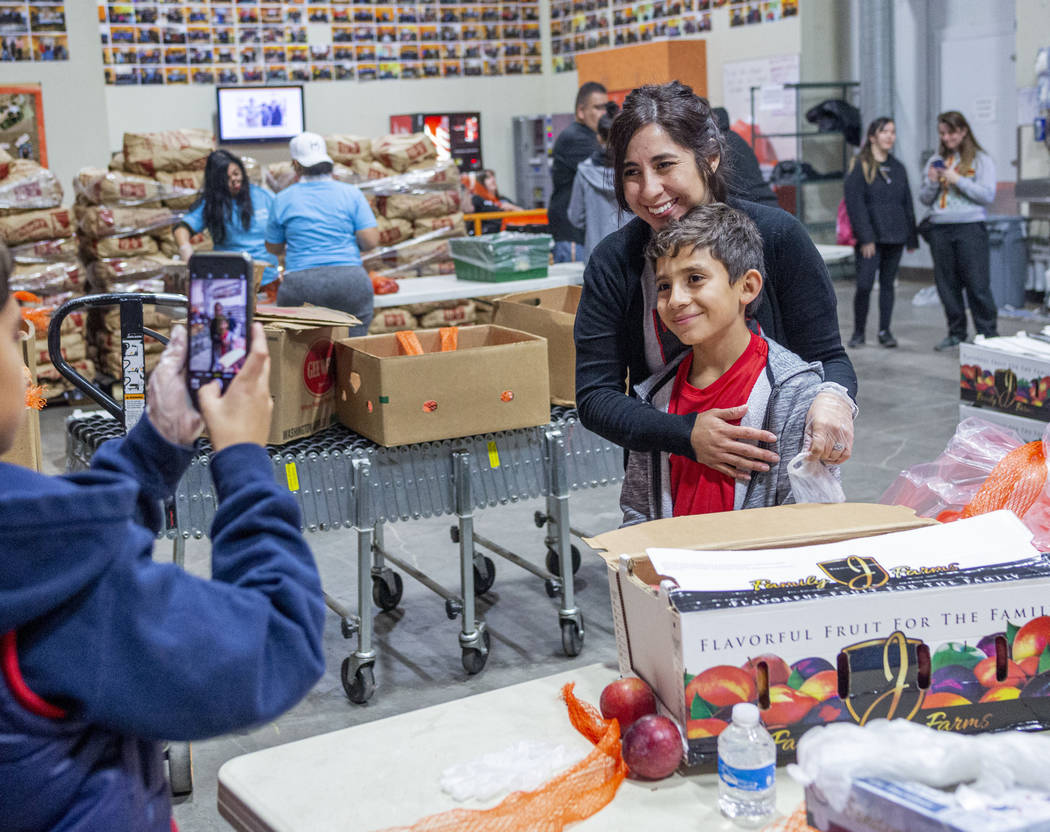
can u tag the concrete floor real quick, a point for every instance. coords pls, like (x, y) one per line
(908, 410)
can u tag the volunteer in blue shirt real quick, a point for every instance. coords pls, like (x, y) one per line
(321, 227)
(234, 212)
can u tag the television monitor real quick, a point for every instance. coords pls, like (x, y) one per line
(260, 114)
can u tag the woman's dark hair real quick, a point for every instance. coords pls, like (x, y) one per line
(955, 120)
(612, 110)
(219, 203)
(868, 165)
(687, 119)
(6, 267)
(320, 169)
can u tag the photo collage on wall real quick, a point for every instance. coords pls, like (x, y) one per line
(256, 42)
(588, 25)
(33, 31)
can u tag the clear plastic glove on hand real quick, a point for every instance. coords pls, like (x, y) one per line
(829, 428)
(168, 406)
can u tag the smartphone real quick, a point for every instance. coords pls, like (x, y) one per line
(938, 164)
(220, 317)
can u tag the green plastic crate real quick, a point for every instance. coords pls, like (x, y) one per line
(497, 258)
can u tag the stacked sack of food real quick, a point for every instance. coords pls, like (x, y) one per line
(40, 235)
(125, 215)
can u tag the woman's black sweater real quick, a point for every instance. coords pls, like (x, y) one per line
(882, 211)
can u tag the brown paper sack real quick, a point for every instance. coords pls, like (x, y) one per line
(48, 224)
(417, 206)
(106, 220)
(29, 187)
(347, 149)
(392, 319)
(401, 151)
(170, 150)
(393, 231)
(181, 187)
(371, 169)
(107, 187)
(129, 246)
(464, 313)
(453, 222)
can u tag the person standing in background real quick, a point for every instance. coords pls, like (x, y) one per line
(485, 198)
(878, 201)
(959, 182)
(744, 176)
(593, 206)
(577, 142)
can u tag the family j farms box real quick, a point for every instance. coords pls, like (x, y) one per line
(1009, 375)
(495, 379)
(550, 313)
(843, 612)
(302, 367)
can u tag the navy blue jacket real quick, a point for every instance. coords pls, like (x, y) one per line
(881, 212)
(798, 311)
(105, 652)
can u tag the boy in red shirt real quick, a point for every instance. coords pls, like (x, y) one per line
(706, 269)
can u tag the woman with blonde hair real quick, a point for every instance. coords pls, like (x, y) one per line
(959, 183)
(878, 201)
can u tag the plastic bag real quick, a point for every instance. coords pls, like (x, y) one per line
(830, 757)
(523, 766)
(814, 482)
(844, 235)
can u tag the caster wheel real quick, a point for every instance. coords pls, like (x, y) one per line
(452, 609)
(540, 519)
(381, 594)
(359, 689)
(453, 532)
(180, 768)
(474, 660)
(347, 629)
(551, 588)
(571, 638)
(554, 562)
(484, 578)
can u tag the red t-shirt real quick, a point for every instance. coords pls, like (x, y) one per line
(696, 488)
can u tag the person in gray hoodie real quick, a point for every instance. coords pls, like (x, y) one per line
(593, 205)
(708, 281)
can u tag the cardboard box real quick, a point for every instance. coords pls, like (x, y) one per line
(495, 380)
(876, 804)
(25, 450)
(1030, 430)
(302, 367)
(997, 379)
(551, 314)
(844, 624)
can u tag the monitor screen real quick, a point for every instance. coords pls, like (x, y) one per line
(260, 114)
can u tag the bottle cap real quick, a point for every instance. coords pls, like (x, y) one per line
(744, 713)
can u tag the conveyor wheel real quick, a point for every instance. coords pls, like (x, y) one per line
(571, 637)
(474, 659)
(382, 595)
(554, 562)
(484, 577)
(180, 768)
(359, 689)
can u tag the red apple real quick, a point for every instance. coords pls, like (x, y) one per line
(779, 672)
(985, 673)
(627, 699)
(652, 747)
(1032, 638)
(698, 728)
(786, 706)
(722, 685)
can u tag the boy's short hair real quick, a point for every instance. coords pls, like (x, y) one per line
(6, 267)
(729, 234)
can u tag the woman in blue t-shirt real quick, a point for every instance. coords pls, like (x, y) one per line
(321, 226)
(234, 212)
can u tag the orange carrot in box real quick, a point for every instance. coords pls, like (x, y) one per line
(449, 338)
(408, 343)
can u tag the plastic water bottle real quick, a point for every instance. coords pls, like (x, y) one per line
(747, 759)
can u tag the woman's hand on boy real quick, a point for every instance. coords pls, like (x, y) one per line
(729, 448)
(169, 408)
(829, 428)
(243, 412)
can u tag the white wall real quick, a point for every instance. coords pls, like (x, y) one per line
(74, 98)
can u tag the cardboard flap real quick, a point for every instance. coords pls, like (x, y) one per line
(758, 528)
(304, 316)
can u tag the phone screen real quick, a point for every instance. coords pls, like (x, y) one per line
(219, 321)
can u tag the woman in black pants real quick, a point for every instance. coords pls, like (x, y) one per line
(959, 183)
(878, 201)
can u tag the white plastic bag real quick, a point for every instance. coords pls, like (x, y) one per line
(814, 482)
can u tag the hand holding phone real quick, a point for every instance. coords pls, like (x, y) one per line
(243, 412)
(220, 318)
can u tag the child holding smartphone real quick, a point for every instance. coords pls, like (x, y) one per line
(706, 267)
(105, 652)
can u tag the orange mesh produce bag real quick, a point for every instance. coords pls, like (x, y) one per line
(1015, 483)
(573, 795)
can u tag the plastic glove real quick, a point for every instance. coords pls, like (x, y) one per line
(185, 252)
(169, 407)
(829, 428)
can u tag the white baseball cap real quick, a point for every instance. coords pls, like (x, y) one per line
(308, 149)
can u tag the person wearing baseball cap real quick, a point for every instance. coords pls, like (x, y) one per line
(321, 226)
